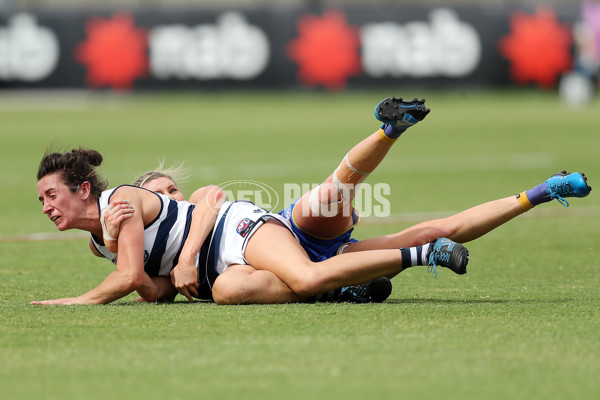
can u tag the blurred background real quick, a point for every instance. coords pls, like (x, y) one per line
(332, 45)
(278, 91)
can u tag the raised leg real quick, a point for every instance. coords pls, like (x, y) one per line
(462, 227)
(326, 211)
(479, 220)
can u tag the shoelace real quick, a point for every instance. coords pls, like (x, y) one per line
(432, 265)
(361, 291)
(562, 188)
(356, 291)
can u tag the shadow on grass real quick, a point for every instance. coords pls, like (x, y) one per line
(395, 301)
(159, 303)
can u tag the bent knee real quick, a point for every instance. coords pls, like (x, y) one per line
(308, 283)
(230, 292)
(431, 231)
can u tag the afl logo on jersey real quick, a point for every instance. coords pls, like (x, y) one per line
(244, 226)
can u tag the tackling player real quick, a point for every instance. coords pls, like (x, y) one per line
(323, 218)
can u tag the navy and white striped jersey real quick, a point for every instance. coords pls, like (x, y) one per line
(163, 237)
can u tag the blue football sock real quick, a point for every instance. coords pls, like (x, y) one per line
(392, 132)
(538, 194)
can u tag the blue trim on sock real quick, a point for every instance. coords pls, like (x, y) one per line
(406, 262)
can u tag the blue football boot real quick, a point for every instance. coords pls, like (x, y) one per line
(400, 114)
(376, 291)
(563, 185)
(447, 253)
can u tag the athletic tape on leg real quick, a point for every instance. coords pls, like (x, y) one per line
(319, 209)
(346, 191)
(350, 179)
(363, 174)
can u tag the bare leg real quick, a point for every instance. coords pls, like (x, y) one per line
(326, 211)
(479, 220)
(242, 284)
(290, 263)
(462, 227)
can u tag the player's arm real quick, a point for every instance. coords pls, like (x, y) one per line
(111, 217)
(157, 288)
(208, 201)
(129, 274)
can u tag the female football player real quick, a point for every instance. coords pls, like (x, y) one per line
(323, 218)
(246, 239)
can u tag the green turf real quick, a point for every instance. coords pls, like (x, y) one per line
(524, 322)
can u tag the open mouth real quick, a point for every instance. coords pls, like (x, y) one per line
(54, 219)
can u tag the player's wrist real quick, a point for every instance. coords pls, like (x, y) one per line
(187, 257)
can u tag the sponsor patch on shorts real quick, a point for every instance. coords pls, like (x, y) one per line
(244, 226)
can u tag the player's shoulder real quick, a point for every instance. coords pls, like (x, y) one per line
(127, 192)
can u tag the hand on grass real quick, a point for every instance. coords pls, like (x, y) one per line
(67, 301)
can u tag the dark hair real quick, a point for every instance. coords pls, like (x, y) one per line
(75, 167)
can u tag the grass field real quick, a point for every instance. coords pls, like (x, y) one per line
(524, 323)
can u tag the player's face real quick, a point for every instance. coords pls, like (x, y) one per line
(164, 186)
(58, 202)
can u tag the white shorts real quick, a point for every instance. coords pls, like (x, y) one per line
(236, 223)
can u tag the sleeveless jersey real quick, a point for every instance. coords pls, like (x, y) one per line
(163, 237)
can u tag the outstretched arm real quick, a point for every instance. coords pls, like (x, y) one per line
(129, 274)
(208, 202)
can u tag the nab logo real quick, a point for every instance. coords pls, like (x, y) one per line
(29, 52)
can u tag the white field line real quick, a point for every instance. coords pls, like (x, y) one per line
(44, 237)
(58, 100)
(402, 218)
